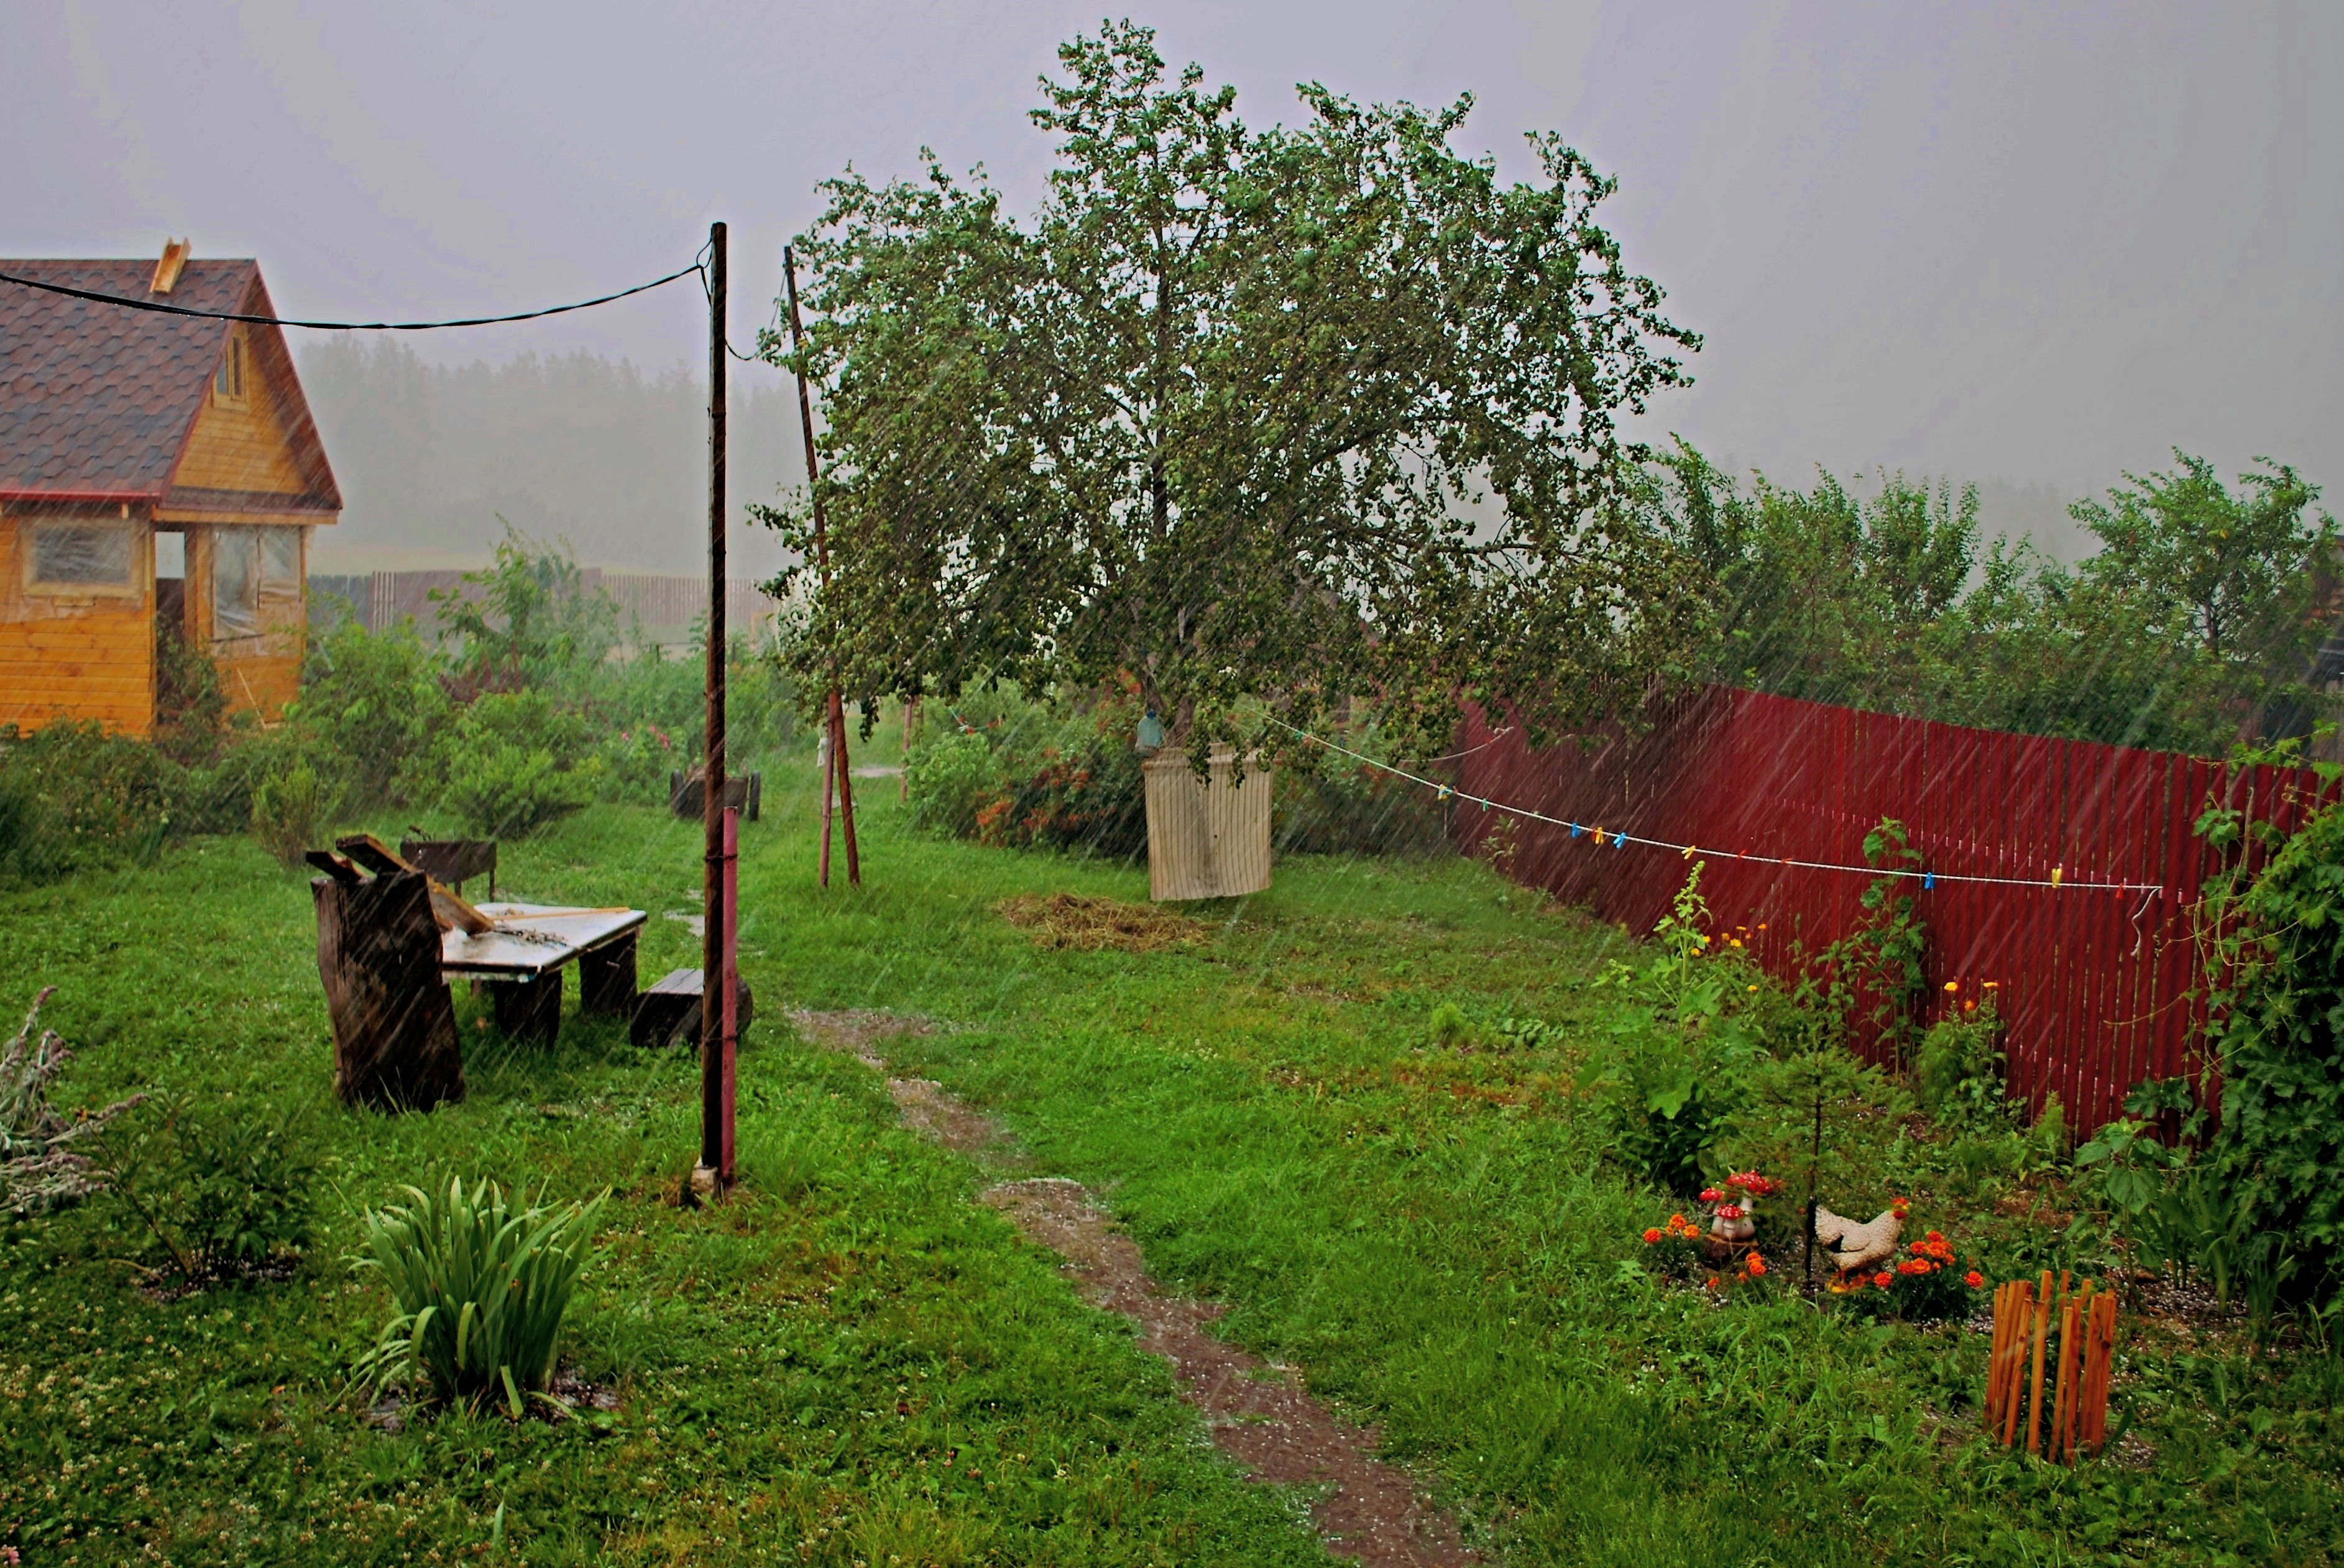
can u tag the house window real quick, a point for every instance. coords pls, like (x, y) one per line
(236, 582)
(250, 565)
(83, 558)
(227, 381)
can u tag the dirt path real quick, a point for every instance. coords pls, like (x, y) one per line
(1259, 1415)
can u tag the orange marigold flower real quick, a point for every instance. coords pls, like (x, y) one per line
(1974, 1279)
(1652, 1236)
(1884, 1280)
(1934, 1236)
(1757, 1264)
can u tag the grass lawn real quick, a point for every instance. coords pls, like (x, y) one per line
(850, 1362)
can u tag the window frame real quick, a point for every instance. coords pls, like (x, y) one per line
(28, 533)
(232, 377)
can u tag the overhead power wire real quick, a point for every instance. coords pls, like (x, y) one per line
(1614, 837)
(163, 309)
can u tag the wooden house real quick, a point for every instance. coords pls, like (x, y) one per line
(155, 469)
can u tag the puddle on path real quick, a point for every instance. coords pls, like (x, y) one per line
(1259, 1415)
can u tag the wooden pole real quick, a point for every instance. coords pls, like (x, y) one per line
(715, 947)
(836, 717)
(2015, 1371)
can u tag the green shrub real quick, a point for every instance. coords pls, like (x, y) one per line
(89, 795)
(371, 705)
(291, 805)
(481, 1285)
(2275, 967)
(1959, 1075)
(190, 707)
(950, 778)
(1344, 807)
(511, 762)
(212, 1192)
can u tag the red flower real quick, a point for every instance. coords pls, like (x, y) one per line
(1757, 1265)
(1934, 1236)
(1884, 1280)
(1974, 1279)
(1652, 1236)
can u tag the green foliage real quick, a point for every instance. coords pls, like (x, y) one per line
(371, 702)
(2200, 601)
(292, 805)
(481, 1283)
(2273, 938)
(209, 1192)
(526, 622)
(513, 762)
(1676, 1048)
(1890, 947)
(949, 778)
(1961, 1077)
(1219, 419)
(83, 796)
(190, 707)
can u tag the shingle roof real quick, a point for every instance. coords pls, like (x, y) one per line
(97, 399)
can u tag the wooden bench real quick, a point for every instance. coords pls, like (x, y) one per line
(669, 1013)
(452, 861)
(744, 792)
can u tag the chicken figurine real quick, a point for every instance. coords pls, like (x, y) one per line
(1852, 1246)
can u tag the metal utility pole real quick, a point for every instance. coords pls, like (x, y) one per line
(715, 1169)
(834, 715)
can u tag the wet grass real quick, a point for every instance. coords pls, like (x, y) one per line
(850, 1362)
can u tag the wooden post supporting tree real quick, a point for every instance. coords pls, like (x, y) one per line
(714, 1172)
(835, 708)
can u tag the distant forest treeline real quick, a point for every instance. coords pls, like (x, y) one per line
(575, 447)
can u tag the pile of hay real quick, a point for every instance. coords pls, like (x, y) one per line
(1088, 925)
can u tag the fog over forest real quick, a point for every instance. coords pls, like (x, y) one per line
(613, 459)
(575, 447)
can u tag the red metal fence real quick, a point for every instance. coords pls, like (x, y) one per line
(2095, 985)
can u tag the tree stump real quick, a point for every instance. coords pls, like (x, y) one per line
(394, 1024)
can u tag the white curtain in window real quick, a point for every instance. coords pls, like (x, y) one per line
(236, 581)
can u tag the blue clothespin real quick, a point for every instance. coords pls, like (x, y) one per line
(1928, 880)
(1576, 830)
(1619, 839)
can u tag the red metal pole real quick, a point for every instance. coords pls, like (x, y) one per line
(732, 992)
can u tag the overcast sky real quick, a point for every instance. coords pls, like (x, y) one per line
(2031, 242)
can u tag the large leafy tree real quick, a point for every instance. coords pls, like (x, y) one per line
(1242, 418)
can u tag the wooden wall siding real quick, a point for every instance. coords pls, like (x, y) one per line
(241, 446)
(258, 675)
(73, 656)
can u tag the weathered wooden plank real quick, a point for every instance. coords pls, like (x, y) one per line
(394, 1023)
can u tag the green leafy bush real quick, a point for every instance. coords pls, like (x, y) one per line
(481, 1284)
(88, 795)
(512, 762)
(291, 803)
(212, 1192)
(950, 778)
(1960, 1074)
(371, 704)
(2275, 968)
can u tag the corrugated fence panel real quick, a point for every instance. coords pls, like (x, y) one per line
(2100, 986)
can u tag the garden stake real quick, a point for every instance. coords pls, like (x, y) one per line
(836, 717)
(2063, 1413)
(2035, 1397)
(1992, 1403)
(2014, 1363)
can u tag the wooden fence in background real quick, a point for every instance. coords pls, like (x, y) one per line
(2096, 985)
(666, 606)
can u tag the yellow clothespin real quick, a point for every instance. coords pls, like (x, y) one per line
(2055, 875)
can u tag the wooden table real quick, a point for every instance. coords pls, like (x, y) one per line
(521, 962)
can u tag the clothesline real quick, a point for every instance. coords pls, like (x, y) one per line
(1617, 839)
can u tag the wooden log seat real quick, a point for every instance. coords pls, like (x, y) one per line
(669, 1013)
(393, 1021)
